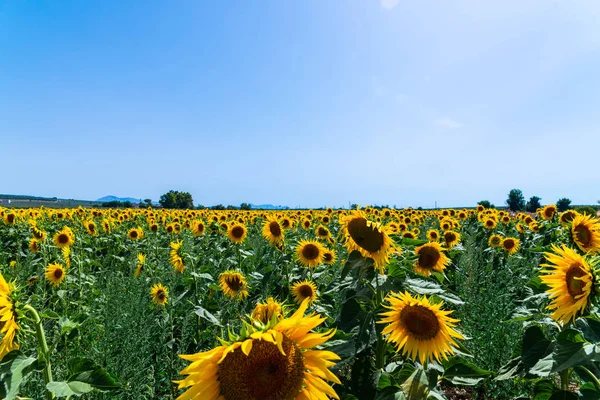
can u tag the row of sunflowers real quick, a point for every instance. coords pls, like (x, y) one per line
(296, 304)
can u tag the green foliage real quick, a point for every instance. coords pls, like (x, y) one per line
(563, 204)
(516, 200)
(589, 210)
(533, 204)
(486, 204)
(176, 199)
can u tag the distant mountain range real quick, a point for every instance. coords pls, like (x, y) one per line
(268, 207)
(115, 198)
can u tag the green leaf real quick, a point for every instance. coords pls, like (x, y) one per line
(589, 391)
(14, 369)
(203, 313)
(590, 328)
(563, 395)
(543, 390)
(461, 372)
(65, 389)
(390, 393)
(416, 386)
(413, 242)
(535, 346)
(384, 381)
(86, 371)
(571, 354)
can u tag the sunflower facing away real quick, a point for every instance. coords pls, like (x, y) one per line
(175, 257)
(237, 233)
(272, 362)
(368, 238)
(304, 290)
(421, 329)
(160, 294)
(431, 258)
(234, 285)
(55, 274)
(586, 233)
(569, 276)
(510, 245)
(140, 264)
(264, 312)
(310, 253)
(8, 319)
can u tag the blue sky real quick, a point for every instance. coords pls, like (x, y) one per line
(305, 103)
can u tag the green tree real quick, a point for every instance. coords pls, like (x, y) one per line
(516, 200)
(175, 199)
(148, 202)
(563, 204)
(486, 204)
(533, 204)
(245, 206)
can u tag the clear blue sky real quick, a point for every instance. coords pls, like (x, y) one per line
(304, 102)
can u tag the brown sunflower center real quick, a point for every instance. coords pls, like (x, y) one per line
(306, 224)
(10, 218)
(161, 295)
(489, 222)
(305, 291)
(92, 228)
(264, 374)
(63, 238)
(275, 229)
(495, 240)
(584, 235)
(420, 322)
(367, 237)
(133, 234)
(234, 283)
(508, 244)
(310, 251)
(575, 285)
(428, 257)
(449, 237)
(58, 273)
(567, 216)
(285, 223)
(237, 232)
(154, 228)
(328, 257)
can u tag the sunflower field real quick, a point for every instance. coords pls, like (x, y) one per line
(370, 303)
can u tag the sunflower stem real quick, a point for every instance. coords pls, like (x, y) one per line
(44, 351)
(591, 374)
(564, 380)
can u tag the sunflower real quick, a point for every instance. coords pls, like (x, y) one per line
(160, 294)
(505, 219)
(520, 228)
(322, 232)
(408, 235)
(264, 312)
(306, 223)
(90, 227)
(431, 258)
(55, 274)
(175, 257)
(34, 245)
(271, 362)
(198, 228)
(421, 329)
(140, 264)
(310, 253)
(237, 232)
(8, 319)
(569, 276)
(329, 256)
(10, 219)
(38, 234)
(368, 238)
(489, 223)
(433, 235)
(565, 217)
(586, 233)
(304, 290)
(548, 212)
(233, 285)
(272, 230)
(64, 237)
(495, 241)
(66, 255)
(510, 245)
(451, 238)
(135, 233)
(106, 225)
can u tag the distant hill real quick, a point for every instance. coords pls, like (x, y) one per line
(267, 207)
(115, 198)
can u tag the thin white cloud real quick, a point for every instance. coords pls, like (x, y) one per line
(389, 4)
(447, 123)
